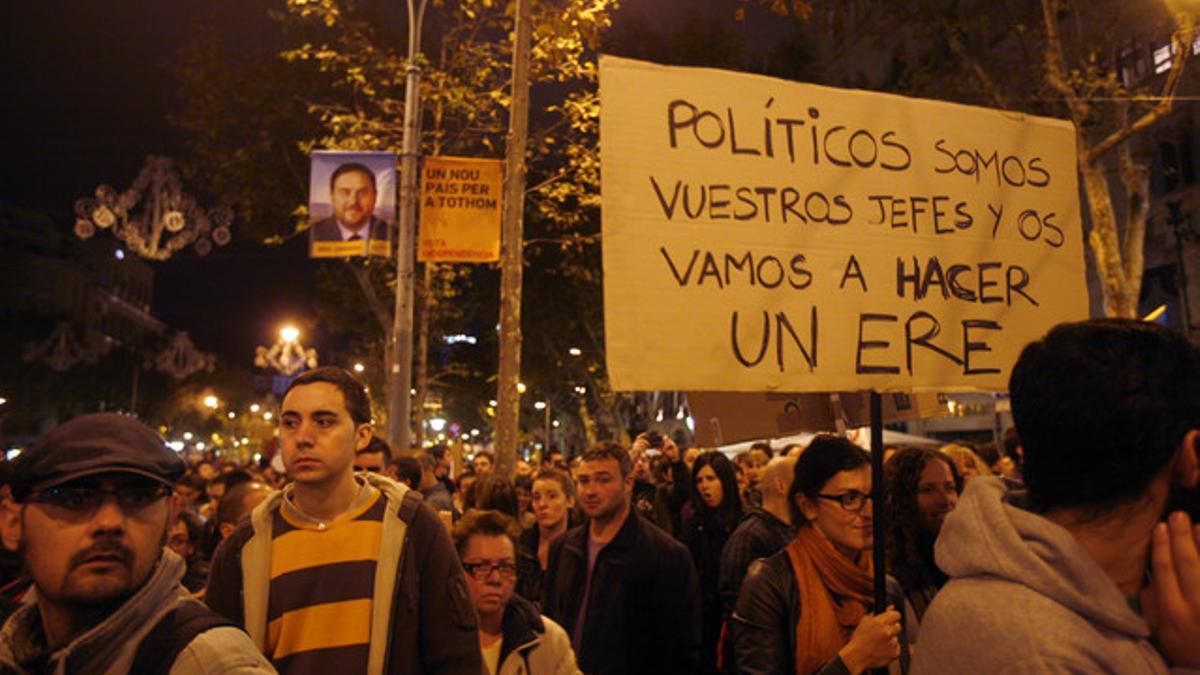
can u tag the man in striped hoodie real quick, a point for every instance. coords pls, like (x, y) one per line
(344, 572)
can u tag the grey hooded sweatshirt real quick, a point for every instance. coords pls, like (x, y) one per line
(1024, 597)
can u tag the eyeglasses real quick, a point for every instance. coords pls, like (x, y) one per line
(851, 500)
(482, 570)
(88, 499)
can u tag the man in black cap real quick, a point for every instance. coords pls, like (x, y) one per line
(92, 509)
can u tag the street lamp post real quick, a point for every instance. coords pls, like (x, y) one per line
(544, 406)
(400, 373)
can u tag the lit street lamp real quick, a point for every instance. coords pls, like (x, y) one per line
(287, 355)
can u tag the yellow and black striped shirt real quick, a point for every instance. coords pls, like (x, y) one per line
(322, 581)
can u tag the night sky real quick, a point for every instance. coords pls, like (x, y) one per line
(87, 93)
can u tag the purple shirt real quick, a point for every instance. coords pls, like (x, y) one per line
(593, 551)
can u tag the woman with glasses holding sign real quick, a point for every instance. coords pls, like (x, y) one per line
(807, 608)
(513, 635)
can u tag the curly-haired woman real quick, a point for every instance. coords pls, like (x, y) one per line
(922, 488)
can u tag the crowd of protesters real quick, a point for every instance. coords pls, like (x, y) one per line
(1063, 549)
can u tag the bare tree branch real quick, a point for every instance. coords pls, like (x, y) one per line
(1056, 68)
(1136, 179)
(1181, 41)
(960, 50)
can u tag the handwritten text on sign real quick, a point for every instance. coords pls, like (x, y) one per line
(460, 210)
(767, 235)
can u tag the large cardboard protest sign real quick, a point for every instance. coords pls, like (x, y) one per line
(763, 235)
(460, 210)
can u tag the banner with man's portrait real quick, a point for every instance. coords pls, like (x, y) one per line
(352, 203)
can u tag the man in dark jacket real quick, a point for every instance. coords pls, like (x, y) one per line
(624, 590)
(761, 533)
(344, 572)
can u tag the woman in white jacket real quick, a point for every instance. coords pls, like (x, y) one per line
(514, 637)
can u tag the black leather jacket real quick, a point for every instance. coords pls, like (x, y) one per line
(765, 617)
(643, 611)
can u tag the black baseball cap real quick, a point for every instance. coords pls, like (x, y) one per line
(98, 443)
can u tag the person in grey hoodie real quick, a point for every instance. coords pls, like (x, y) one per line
(1052, 579)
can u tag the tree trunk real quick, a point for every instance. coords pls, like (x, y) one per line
(589, 424)
(1106, 249)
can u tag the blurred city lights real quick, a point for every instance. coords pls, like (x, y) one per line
(232, 414)
(289, 333)
(539, 405)
(575, 351)
(200, 445)
(187, 435)
(358, 367)
(267, 416)
(520, 387)
(254, 407)
(211, 401)
(437, 424)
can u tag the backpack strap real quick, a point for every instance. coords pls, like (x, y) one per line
(408, 505)
(174, 631)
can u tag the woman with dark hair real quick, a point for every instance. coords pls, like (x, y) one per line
(806, 609)
(922, 488)
(553, 499)
(717, 510)
(497, 494)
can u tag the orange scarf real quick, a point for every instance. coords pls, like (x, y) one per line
(834, 596)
